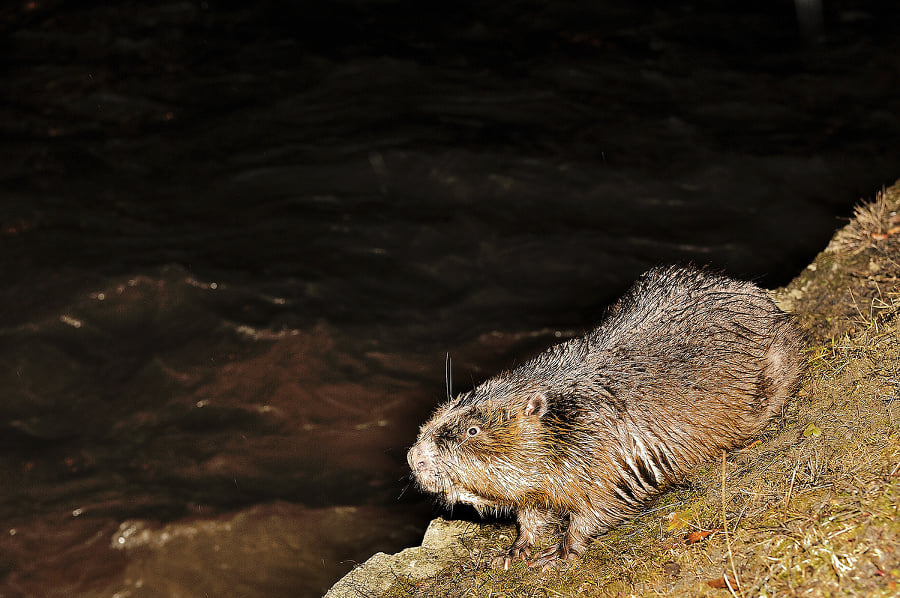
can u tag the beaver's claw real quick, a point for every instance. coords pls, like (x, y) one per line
(557, 556)
(504, 560)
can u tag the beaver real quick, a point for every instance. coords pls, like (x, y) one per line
(686, 364)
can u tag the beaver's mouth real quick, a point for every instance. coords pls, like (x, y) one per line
(436, 482)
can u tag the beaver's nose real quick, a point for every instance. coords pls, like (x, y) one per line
(417, 459)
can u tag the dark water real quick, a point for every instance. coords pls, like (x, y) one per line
(238, 240)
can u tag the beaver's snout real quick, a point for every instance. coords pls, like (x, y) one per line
(417, 459)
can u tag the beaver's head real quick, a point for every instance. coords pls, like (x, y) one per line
(484, 447)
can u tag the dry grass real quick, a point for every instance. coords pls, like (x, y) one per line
(872, 223)
(850, 283)
(810, 510)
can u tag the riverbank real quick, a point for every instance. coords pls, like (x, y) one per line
(811, 508)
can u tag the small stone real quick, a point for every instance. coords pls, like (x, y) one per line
(672, 569)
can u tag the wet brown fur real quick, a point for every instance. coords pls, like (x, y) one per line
(687, 363)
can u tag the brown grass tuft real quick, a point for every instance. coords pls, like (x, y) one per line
(873, 223)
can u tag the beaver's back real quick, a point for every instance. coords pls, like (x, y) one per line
(686, 361)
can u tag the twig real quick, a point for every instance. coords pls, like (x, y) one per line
(727, 540)
(787, 499)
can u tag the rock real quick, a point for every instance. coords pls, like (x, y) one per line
(440, 546)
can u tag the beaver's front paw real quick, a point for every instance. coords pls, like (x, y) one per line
(516, 551)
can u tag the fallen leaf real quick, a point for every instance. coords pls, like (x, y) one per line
(695, 537)
(679, 520)
(717, 583)
(722, 582)
(752, 445)
(812, 430)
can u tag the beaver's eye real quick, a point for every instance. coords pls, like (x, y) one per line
(473, 431)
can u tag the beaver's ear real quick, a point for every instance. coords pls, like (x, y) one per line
(536, 404)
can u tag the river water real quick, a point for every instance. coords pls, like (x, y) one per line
(238, 241)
